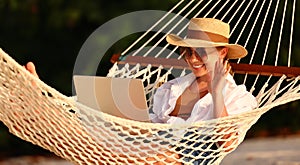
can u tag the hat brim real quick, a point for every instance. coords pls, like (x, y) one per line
(235, 51)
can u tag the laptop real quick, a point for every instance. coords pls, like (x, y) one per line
(121, 97)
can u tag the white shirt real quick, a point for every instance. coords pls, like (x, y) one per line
(236, 98)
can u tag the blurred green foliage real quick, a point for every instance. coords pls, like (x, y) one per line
(51, 32)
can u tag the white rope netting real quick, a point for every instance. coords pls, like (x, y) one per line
(41, 115)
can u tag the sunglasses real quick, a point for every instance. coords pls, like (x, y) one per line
(188, 52)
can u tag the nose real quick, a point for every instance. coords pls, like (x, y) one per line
(195, 57)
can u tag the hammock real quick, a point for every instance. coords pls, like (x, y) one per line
(37, 113)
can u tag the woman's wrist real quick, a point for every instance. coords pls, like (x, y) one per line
(216, 93)
(219, 105)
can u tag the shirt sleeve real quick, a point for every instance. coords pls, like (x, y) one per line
(239, 100)
(160, 100)
(165, 97)
(164, 102)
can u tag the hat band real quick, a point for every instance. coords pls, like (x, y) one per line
(196, 34)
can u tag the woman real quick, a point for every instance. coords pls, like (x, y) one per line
(209, 92)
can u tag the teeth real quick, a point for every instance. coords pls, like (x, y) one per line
(197, 66)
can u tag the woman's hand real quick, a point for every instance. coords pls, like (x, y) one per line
(31, 68)
(216, 86)
(218, 79)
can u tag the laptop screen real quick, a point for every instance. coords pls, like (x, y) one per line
(121, 97)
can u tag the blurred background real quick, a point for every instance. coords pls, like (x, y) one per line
(50, 33)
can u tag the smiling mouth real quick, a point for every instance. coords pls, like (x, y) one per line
(198, 66)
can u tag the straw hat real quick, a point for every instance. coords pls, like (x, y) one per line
(208, 32)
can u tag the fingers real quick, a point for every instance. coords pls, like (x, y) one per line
(228, 70)
(226, 67)
(225, 64)
(221, 67)
(31, 68)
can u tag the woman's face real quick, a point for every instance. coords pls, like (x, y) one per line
(201, 60)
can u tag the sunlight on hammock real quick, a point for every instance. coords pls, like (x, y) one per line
(43, 116)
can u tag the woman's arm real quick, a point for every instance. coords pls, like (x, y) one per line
(216, 87)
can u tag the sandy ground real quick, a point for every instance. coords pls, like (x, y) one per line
(266, 151)
(259, 151)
